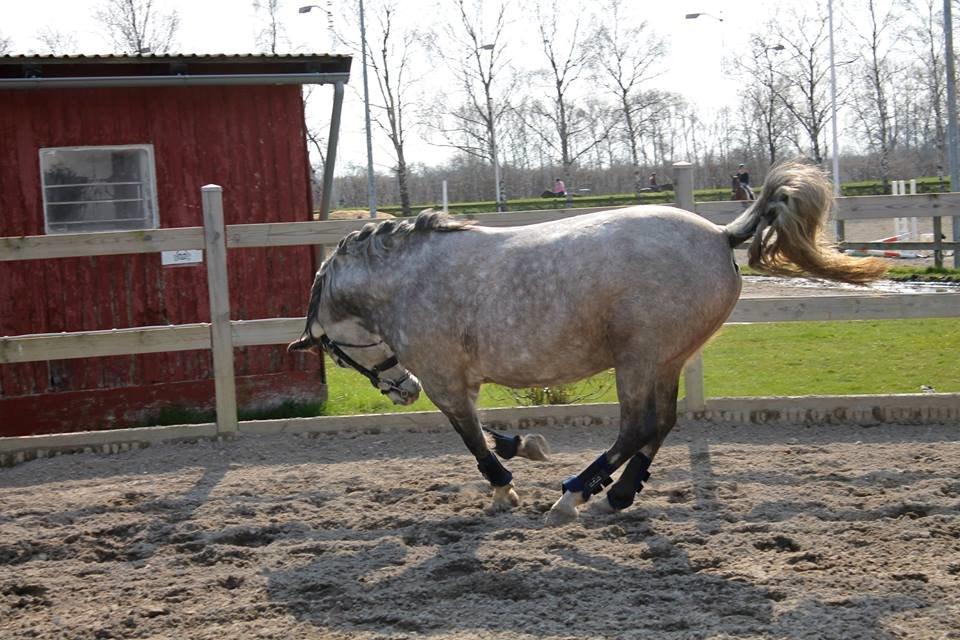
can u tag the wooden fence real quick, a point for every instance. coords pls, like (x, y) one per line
(222, 334)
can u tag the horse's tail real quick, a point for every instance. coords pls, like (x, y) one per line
(786, 226)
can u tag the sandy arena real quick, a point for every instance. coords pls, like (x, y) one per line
(743, 532)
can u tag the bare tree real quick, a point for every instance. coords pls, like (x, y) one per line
(6, 44)
(874, 81)
(273, 32)
(927, 43)
(134, 26)
(316, 144)
(762, 87)
(567, 59)
(394, 77)
(392, 69)
(56, 42)
(473, 54)
(806, 69)
(626, 57)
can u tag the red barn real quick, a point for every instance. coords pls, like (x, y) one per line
(125, 142)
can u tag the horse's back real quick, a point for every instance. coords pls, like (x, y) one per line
(644, 239)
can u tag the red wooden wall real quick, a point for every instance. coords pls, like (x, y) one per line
(248, 139)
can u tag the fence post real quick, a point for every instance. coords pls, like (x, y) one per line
(215, 241)
(683, 184)
(694, 396)
(937, 246)
(693, 372)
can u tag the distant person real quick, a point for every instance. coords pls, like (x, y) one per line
(654, 186)
(744, 177)
(559, 189)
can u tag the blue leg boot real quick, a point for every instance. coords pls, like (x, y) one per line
(621, 495)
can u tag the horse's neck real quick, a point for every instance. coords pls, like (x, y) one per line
(370, 280)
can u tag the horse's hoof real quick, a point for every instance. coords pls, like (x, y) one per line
(533, 446)
(562, 512)
(504, 498)
(600, 507)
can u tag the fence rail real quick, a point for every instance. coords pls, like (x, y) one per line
(221, 335)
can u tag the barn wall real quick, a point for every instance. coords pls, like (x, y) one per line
(250, 140)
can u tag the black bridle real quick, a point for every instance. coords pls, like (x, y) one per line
(373, 374)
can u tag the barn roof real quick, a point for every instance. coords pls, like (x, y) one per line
(46, 71)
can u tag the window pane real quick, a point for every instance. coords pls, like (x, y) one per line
(98, 189)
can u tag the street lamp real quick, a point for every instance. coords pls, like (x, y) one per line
(371, 187)
(833, 109)
(493, 135)
(952, 133)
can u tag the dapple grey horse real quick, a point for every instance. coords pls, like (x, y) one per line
(450, 306)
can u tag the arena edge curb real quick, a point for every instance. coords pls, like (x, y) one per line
(866, 410)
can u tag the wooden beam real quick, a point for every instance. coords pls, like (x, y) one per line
(110, 342)
(267, 331)
(330, 232)
(117, 342)
(922, 205)
(284, 234)
(99, 244)
(722, 212)
(870, 307)
(80, 440)
(900, 246)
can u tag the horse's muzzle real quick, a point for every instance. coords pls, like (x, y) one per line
(405, 393)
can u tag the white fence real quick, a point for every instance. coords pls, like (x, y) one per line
(221, 335)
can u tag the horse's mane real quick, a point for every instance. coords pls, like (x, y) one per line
(376, 240)
(379, 238)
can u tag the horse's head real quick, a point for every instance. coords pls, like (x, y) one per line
(351, 343)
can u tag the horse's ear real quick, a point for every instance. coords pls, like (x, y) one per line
(305, 343)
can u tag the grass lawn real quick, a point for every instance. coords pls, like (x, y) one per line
(799, 358)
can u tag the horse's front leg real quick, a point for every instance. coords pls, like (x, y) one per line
(459, 405)
(468, 426)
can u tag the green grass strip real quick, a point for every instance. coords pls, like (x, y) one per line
(798, 358)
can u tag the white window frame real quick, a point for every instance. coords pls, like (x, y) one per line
(151, 218)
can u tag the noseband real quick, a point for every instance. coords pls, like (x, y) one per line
(373, 375)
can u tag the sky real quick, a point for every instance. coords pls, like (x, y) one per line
(695, 66)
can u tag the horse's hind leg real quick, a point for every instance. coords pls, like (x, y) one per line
(638, 428)
(624, 490)
(532, 446)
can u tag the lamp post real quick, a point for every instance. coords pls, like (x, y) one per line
(833, 117)
(371, 187)
(952, 121)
